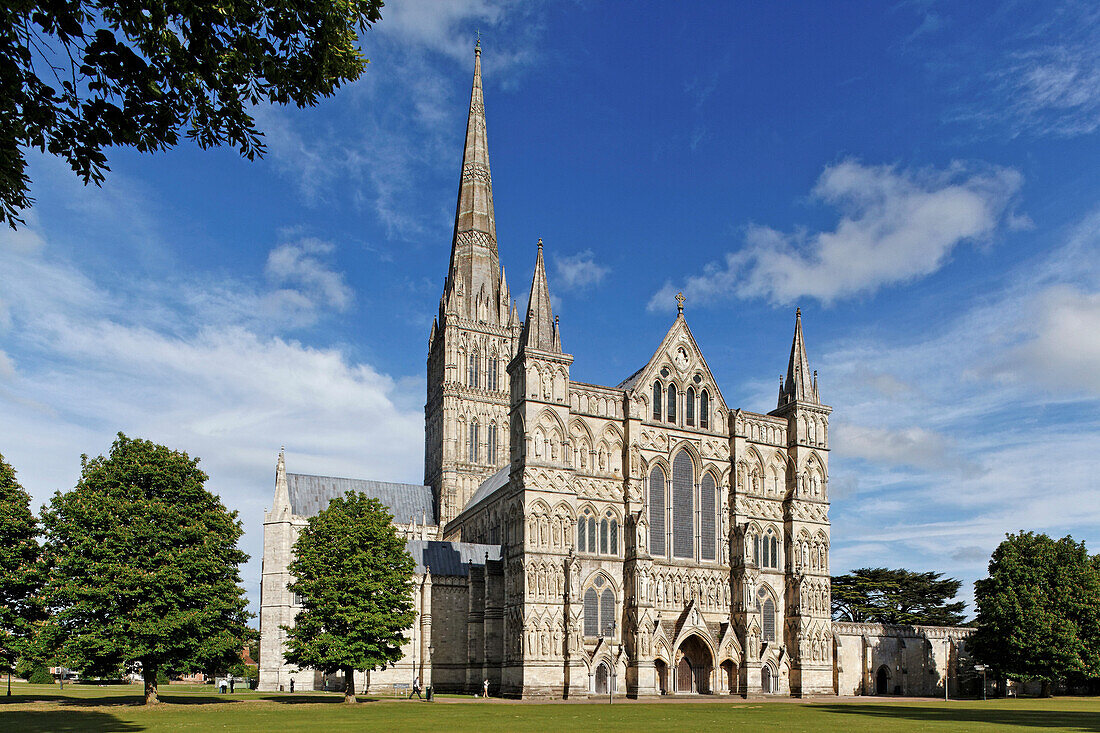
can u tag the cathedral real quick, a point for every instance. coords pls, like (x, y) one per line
(574, 539)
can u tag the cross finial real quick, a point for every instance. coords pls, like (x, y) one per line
(680, 303)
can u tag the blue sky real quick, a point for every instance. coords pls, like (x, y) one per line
(920, 178)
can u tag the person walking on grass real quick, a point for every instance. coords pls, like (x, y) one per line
(485, 688)
(416, 688)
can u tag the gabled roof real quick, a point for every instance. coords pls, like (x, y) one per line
(407, 502)
(678, 334)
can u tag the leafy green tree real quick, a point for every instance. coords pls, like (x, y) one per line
(881, 595)
(144, 566)
(21, 575)
(354, 576)
(79, 77)
(1039, 611)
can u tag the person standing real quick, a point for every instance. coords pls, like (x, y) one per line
(292, 684)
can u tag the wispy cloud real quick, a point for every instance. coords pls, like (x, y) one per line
(578, 271)
(895, 225)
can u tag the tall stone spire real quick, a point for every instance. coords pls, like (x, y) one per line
(798, 384)
(540, 330)
(475, 264)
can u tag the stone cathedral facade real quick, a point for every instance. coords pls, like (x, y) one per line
(573, 537)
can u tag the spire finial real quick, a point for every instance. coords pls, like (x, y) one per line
(680, 303)
(477, 46)
(540, 242)
(797, 312)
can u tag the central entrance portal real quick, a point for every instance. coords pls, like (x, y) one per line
(693, 670)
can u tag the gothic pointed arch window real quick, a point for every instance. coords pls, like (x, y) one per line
(491, 444)
(473, 371)
(767, 617)
(604, 529)
(492, 372)
(599, 607)
(609, 534)
(683, 505)
(708, 517)
(689, 406)
(670, 408)
(658, 397)
(657, 512)
(472, 453)
(770, 548)
(704, 410)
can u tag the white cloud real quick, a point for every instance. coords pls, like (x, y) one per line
(199, 366)
(578, 270)
(895, 225)
(1062, 343)
(302, 263)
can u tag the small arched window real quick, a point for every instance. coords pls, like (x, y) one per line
(603, 536)
(770, 549)
(491, 373)
(582, 535)
(670, 411)
(473, 445)
(491, 446)
(689, 406)
(609, 534)
(658, 396)
(473, 373)
(757, 556)
(704, 410)
(767, 620)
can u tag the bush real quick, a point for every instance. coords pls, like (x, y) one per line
(162, 677)
(40, 676)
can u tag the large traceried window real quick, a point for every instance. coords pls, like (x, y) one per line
(657, 512)
(689, 406)
(707, 517)
(473, 442)
(600, 537)
(658, 397)
(599, 607)
(683, 505)
(670, 410)
(704, 410)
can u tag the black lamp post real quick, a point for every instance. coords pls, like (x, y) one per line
(431, 653)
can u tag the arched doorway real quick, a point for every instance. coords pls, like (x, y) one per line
(882, 681)
(767, 680)
(729, 676)
(694, 668)
(603, 679)
(662, 676)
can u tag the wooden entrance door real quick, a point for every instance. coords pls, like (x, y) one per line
(685, 681)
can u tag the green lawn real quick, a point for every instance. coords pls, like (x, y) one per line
(35, 708)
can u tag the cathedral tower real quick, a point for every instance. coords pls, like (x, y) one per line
(473, 338)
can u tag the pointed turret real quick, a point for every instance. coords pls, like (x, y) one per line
(282, 492)
(798, 385)
(539, 329)
(475, 264)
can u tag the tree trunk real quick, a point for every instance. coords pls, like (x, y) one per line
(1046, 689)
(149, 674)
(349, 685)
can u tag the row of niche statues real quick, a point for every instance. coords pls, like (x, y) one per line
(815, 647)
(814, 599)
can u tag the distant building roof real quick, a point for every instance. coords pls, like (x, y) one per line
(407, 502)
(450, 558)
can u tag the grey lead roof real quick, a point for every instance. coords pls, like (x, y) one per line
(628, 383)
(488, 487)
(407, 502)
(450, 558)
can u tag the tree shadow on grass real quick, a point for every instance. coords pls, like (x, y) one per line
(1075, 720)
(64, 721)
(138, 699)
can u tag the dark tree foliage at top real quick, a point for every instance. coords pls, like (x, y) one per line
(354, 576)
(885, 596)
(144, 567)
(1039, 610)
(79, 77)
(21, 573)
